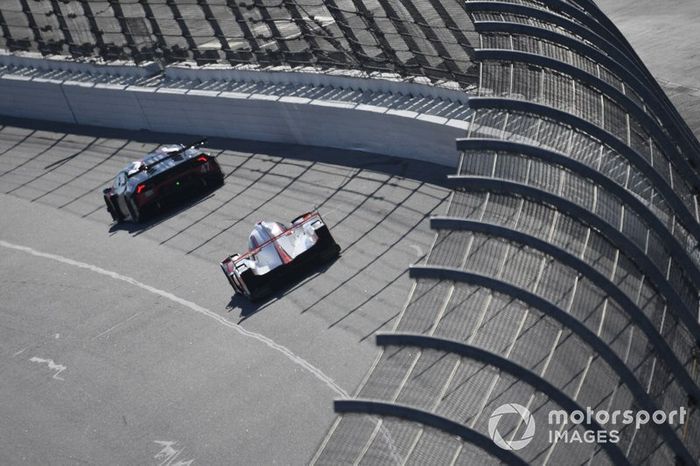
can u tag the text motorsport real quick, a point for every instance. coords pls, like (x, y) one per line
(609, 422)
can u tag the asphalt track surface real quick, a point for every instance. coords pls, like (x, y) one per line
(125, 346)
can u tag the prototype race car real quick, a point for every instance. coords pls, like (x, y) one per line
(277, 254)
(168, 174)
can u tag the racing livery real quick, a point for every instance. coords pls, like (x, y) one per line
(277, 254)
(168, 174)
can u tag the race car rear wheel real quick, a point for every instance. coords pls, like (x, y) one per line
(260, 293)
(114, 212)
(218, 181)
(134, 212)
(331, 253)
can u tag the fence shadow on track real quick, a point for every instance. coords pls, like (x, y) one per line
(413, 169)
(376, 205)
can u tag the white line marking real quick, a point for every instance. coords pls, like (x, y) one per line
(52, 365)
(115, 326)
(418, 249)
(316, 372)
(169, 454)
(20, 352)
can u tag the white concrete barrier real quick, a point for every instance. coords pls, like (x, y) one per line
(36, 60)
(329, 122)
(355, 80)
(39, 99)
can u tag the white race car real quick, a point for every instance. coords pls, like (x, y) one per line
(278, 254)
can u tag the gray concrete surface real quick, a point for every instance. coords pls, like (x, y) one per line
(142, 369)
(665, 34)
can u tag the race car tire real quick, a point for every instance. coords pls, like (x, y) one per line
(260, 293)
(212, 182)
(133, 211)
(330, 253)
(113, 210)
(115, 213)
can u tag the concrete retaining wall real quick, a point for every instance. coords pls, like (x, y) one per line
(234, 115)
(58, 63)
(342, 79)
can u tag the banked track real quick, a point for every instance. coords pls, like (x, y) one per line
(565, 271)
(384, 202)
(127, 341)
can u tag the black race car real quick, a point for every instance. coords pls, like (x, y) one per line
(279, 255)
(168, 174)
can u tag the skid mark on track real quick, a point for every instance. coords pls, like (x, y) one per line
(286, 352)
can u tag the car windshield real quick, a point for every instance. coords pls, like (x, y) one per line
(264, 231)
(275, 228)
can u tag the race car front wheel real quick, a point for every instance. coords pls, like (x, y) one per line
(134, 211)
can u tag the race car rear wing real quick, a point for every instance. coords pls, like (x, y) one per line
(170, 155)
(174, 171)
